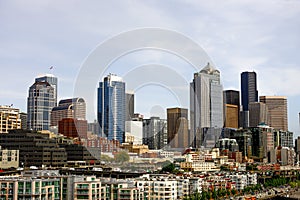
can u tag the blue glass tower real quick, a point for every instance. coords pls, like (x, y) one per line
(111, 108)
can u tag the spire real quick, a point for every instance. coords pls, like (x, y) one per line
(209, 69)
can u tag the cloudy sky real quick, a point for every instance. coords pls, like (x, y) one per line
(260, 36)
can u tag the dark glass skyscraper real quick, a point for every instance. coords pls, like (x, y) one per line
(249, 89)
(111, 107)
(52, 80)
(41, 100)
(232, 97)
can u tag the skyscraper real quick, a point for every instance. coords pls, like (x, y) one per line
(129, 105)
(258, 113)
(249, 94)
(177, 119)
(155, 133)
(232, 97)
(232, 108)
(277, 111)
(52, 80)
(68, 108)
(111, 107)
(206, 107)
(40, 101)
(231, 116)
(249, 89)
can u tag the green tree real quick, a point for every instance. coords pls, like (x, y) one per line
(106, 158)
(168, 168)
(233, 191)
(122, 157)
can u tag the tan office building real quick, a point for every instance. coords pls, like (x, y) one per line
(177, 123)
(231, 116)
(277, 111)
(9, 119)
(68, 108)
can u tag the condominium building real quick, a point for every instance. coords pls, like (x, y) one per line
(284, 138)
(88, 188)
(30, 188)
(9, 158)
(9, 119)
(158, 188)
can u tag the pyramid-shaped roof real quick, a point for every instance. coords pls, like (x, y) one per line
(209, 69)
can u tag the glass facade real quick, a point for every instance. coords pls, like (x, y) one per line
(249, 89)
(40, 101)
(206, 107)
(111, 108)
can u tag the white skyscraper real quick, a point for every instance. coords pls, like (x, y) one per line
(206, 107)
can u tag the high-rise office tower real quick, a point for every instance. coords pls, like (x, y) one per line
(129, 105)
(155, 133)
(249, 94)
(68, 108)
(232, 97)
(258, 113)
(52, 80)
(232, 108)
(178, 135)
(111, 107)
(277, 111)
(231, 116)
(206, 107)
(249, 89)
(41, 99)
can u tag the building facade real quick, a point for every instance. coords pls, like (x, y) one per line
(9, 158)
(135, 128)
(41, 99)
(52, 80)
(231, 116)
(206, 107)
(9, 119)
(34, 148)
(248, 89)
(129, 105)
(277, 111)
(155, 132)
(249, 94)
(73, 128)
(68, 108)
(178, 135)
(258, 113)
(111, 107)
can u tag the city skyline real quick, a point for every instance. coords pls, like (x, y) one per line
(237, 40)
